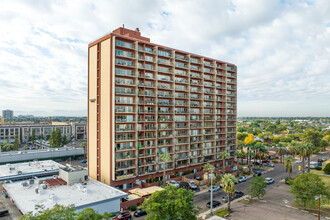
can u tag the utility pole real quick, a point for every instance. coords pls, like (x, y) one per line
(319, 208)
(211, 203)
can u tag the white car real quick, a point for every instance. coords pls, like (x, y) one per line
(214, 188)
(193, 185)
(241, 179)
(173, 183)
(298, 161)
(269, 180)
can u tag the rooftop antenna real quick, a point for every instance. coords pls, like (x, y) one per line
(123, 25)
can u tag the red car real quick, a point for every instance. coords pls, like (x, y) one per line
(265, 161)
(123, 216)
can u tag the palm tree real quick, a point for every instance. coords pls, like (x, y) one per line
(84, 144)
(263, 151)
(281, 150)
(301, 148)
(249, 154)
(238, 154)
(209, 169)
(164, 158)
(293, 149)
(228, 185)
(309, 150)
(254, 149)
(288, 165)
(224, 155)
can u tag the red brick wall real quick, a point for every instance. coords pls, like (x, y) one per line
(126, 205)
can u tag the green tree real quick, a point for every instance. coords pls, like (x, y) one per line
(64, 140)
(55, 139)
(170, 203)
(302, 151)
(281, 150)
(306, 186)
(257, 187)
(224, 155)
(228, 186)
(55, 213)
(241, 136)
(288, 165)
(209, 169)
(33, 136)
(84, 145)
(312, 136)
(164, 158)
(323, 144)
(88, 214)
(16, 143)
(58, 137)
(309, 151)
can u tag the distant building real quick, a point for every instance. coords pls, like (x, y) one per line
(8, 114)
(71, 187)
(76, 131)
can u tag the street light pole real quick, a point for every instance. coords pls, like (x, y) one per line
(211, 204)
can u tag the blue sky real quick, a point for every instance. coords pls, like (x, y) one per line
(281, 48)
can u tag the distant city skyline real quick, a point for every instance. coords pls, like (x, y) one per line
(281, 49)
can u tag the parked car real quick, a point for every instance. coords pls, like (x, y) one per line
(242, 179)
(139, 213)
(313, 164)
(324, 159)
(5, 195)
(123, 216)
(173, 183)
(319, 160)
(225, 198)
(269, 180)
(214, 204)
(268, 164)
(184, 185)
(238, 194)
(298, 161)
(214, 188)
(199, 178)
(257, 173)
(84, 161)
(265, 161)
(256, 163)
(193, 185)
(4, 212)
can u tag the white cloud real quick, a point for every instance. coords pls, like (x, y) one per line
(281, 49)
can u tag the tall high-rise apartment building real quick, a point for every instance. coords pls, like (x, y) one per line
(7, 114)
(145, 99)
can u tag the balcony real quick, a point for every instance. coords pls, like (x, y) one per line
(125, 176)
(164, 87)
(165, 103)
(125, 157)
(124, 83)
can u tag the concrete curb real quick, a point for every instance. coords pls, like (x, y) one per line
(291, 207)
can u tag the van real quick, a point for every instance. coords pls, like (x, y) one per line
(313, 164)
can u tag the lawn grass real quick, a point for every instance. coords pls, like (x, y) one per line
(221, 212)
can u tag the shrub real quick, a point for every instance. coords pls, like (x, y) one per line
(221, 212)
(326, 169)
(318, 168)
(274, 161)
(133, 208)
(246, 172)
(288, 181)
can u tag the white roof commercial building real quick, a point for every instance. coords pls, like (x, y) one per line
(28, 170)
(82, 192)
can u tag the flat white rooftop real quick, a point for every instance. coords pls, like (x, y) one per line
(28, 168)
(94, 192)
